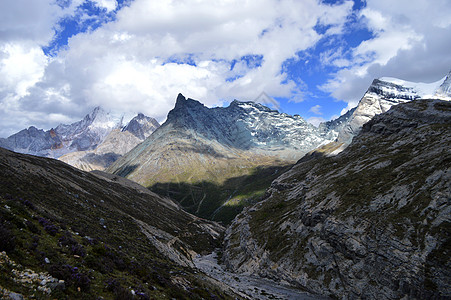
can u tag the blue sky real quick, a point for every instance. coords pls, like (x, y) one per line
(60, 59)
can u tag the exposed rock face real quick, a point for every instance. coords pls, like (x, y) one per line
(247, 126)
(195, 135)
(33, 140)
(372, 222)
(382, 95)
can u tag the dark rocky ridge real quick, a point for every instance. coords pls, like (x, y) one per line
(216, 160)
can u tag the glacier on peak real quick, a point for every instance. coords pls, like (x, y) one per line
(418, 89)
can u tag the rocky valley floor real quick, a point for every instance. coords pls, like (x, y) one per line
(249, 287)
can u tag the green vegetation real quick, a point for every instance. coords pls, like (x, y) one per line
(221, 202)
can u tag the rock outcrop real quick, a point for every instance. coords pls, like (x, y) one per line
(372, 222)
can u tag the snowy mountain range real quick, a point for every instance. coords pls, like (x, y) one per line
(88, 134)
(251, 129)
(101, 137)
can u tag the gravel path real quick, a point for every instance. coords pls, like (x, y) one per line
(250, 287)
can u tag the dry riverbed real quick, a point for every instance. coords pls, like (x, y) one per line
(250, 287)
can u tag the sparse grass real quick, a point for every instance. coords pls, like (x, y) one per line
(53, 214)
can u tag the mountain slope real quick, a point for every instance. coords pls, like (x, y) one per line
(372, 222)
(102, 234)
(202, 156)
(114, 145)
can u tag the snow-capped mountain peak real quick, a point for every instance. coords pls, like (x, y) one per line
(444, 91)
(83, 135)
(414, 89)
(385, 92)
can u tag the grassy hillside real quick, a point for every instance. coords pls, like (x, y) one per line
(70, 234)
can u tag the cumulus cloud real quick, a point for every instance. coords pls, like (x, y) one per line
(156, 49)
(25, 27)
(109, 5)
(411, 41)
(214, 51)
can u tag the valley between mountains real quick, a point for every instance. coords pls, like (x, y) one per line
(237, 202)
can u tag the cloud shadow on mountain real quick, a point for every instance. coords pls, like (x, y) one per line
(125, 170)
(208, 199)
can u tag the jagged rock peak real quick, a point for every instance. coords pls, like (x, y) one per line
(182, 101)
(251, 105)
(141, 126)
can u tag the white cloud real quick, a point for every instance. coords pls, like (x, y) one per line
(109, 5)
(315, 120)
(133, 64)
(129, 64)
(411, 41)
(316, 109)
(21, 67)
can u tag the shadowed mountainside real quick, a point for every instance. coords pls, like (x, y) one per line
(101, 234)
(201, 198)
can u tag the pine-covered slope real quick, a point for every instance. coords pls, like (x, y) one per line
(372, 222)
(91, 235)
